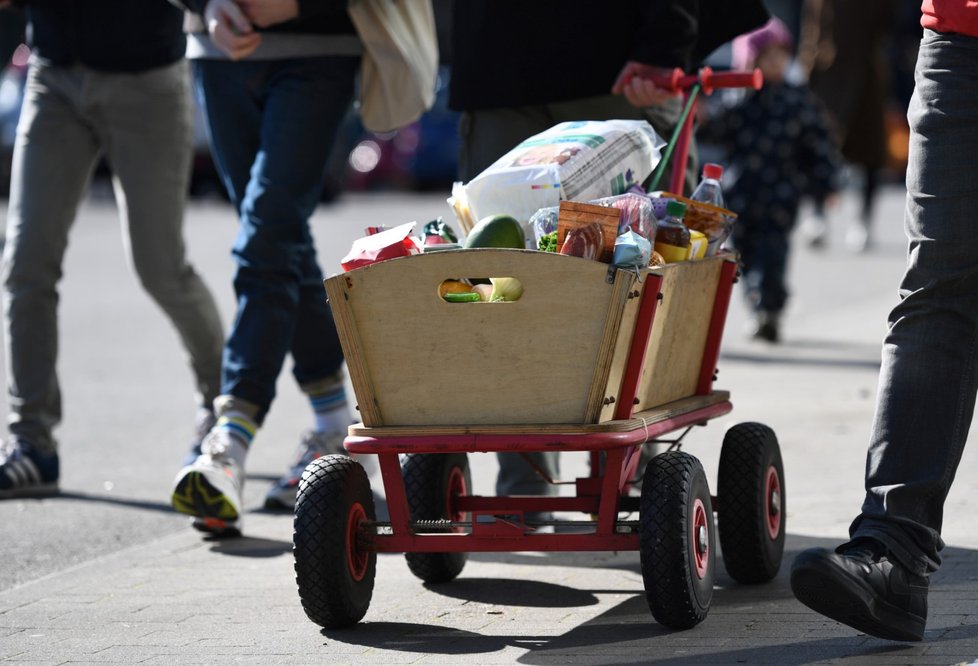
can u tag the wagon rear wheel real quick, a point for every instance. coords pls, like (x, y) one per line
(333, 571)
(677, 539)
(433, 483)
(751, 499)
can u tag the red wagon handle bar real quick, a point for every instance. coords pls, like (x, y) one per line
(709, 80)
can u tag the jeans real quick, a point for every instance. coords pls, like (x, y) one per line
(142, 124)
(272, 125)
(929, 376)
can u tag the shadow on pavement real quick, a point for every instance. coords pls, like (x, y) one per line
(511, 592)
(747, 623)
(246, 546)
(146, 505)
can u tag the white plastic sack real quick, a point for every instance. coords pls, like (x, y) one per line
(572, 161)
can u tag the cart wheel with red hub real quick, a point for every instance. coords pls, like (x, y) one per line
(751, 503)
(676, 540)
(433, 482)
(335, 574)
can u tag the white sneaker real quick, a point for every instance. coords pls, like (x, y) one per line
(857, 237)
(815, 231)
(282, 495)
(209, 488)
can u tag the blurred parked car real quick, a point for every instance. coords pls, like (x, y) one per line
(421, 156)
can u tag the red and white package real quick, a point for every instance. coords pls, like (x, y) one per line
(389, 244)
(584, 241)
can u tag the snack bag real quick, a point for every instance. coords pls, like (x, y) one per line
(389, 244)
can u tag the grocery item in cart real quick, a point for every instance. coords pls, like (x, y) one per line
(572, 161)
(708, 190)
(712, 220)
(389, 244)
(543, 222)
(632, 250)
(673, 238)
(636, 213)
(583, 241)
(575, 214)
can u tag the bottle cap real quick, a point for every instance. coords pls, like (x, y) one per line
(676, 209)
(711, 170)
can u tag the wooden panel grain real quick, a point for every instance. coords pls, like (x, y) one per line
(675, 350)
(420, 360)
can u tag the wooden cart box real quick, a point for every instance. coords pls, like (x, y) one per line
(555, 356)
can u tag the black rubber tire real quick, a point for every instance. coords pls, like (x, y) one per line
(432, 481)
(676, 540)
(334, 575)
(751, 503)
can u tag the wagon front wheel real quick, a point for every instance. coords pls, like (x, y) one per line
(676, 540)
(333, 570)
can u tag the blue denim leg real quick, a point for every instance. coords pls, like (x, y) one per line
(272, 125)
(929, 378)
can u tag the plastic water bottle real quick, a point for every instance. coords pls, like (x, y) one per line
(709, 191)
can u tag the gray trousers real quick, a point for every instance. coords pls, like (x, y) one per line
(485, 136)
(142, 124)
(929, 375)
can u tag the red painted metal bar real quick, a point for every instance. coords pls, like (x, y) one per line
(610, 493)
(494, 543)
(632, 459)
(523, 442)
(711, 351)
(625, 405)
(390, 470)
(504, 503)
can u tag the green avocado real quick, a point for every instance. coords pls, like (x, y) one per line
(497, 231)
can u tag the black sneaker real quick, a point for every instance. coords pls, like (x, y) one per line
(27, 472)
(860, 586)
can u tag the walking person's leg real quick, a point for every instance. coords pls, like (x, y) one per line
(148, 123)
(877, 581)
(54, 152)
(285, 114)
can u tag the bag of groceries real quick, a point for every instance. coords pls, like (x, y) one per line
(571, 161)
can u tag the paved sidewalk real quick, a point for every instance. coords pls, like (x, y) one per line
(181, 600)
(178, 599)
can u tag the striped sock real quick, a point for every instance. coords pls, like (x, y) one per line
(330, 408)
(238, 426)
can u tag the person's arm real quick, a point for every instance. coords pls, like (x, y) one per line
(663, 40)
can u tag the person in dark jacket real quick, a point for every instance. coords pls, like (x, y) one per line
(519, 68)
(275, 79)
(780, 147)
(106, 79)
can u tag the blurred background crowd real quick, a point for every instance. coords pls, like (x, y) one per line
(863, 52)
